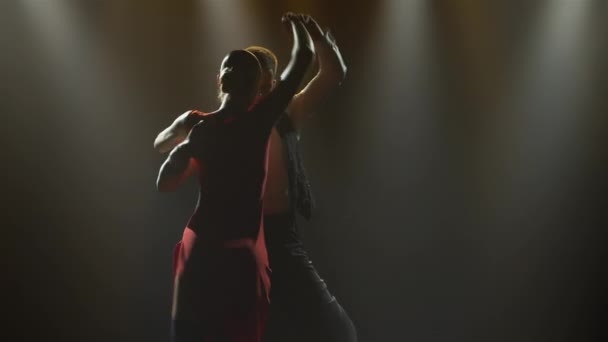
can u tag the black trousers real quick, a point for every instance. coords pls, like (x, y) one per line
(301, 308)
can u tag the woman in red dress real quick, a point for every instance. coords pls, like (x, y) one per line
(221, 267)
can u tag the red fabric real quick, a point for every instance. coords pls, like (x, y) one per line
(220, 298)
(221, 272)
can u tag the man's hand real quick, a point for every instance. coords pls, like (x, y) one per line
(174, 134)
(180, 163)
(331, 73)
(288, 18)
(315, 31)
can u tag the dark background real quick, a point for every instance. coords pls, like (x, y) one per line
(459, 170)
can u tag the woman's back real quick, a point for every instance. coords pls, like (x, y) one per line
(231, 156)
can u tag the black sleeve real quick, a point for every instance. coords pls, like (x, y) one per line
(273, 105)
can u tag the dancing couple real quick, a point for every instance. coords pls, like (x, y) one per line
(242, 236)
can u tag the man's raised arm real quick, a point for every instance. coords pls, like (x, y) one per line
(332, 71)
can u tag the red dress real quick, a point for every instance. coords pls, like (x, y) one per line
(221, 266)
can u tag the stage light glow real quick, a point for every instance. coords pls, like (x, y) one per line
(228, 25)
(548, 96)
(398, 68)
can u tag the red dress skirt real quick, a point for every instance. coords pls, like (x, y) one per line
(220, 290)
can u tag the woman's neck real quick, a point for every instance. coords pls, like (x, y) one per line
(233, 104)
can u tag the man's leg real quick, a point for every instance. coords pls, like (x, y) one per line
(336, 325)
(302, 309)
